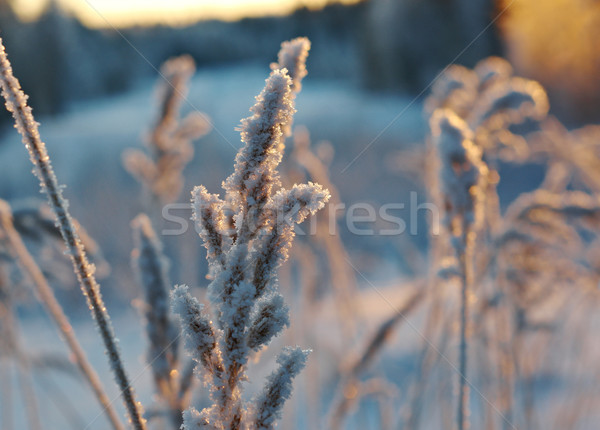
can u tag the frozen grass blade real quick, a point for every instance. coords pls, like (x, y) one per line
(54, 309)
(151, 267)
(13, 350)
(16, 103)
(28, 392)
(462, 183)
(6, 405)
(351, 379)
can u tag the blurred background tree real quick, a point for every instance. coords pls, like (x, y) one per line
(399, 45)
(407, 43)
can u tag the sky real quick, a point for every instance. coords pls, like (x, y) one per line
(119, 13)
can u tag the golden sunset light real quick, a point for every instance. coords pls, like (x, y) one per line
(118, 13)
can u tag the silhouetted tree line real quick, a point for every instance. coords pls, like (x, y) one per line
(59, 60)
(383, 44)
(407, 43)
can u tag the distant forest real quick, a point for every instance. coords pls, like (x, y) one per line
(380, 44)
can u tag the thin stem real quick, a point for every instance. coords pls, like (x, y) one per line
(465, 260)
(54, 309)
(6, 403)
(505, 364)
(463, 390)
(436, 328)
(28, 392)
(16, 103)
(351, 380)
(7, 343)
(25, 377)
(62, 403)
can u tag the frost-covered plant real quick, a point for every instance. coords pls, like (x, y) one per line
(34, 221)
(497, 106)
(314, 164)
(462, 176)
(571, 155)
(16, 103)
(245, 305)
(18, 251)
(170, 141)
(544, 226)
(151, 267)
(11, 348)
(539, 256)
(350, 382)
(161, 173)
(461, 173)
(502, 112)
(292, 57)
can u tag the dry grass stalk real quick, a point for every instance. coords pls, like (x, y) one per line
(54, 309)
(462, 185)
(170, 141)
(16, 103)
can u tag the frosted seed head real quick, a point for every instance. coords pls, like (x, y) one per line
(278, 388)
(193, 126)
(492, 70)
(461, 170)
(255, 167)
(211, 226)
(198, 332)
(151, 268)
(270, 317)
(292, 56)
(455, 89)
(297, 203)
(510, 102)
(248, 312)
(235, 315)
(172, 89)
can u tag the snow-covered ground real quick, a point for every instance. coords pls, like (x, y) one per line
(336, 111)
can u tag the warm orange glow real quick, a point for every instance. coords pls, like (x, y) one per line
(119, 13)
(557, 42)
